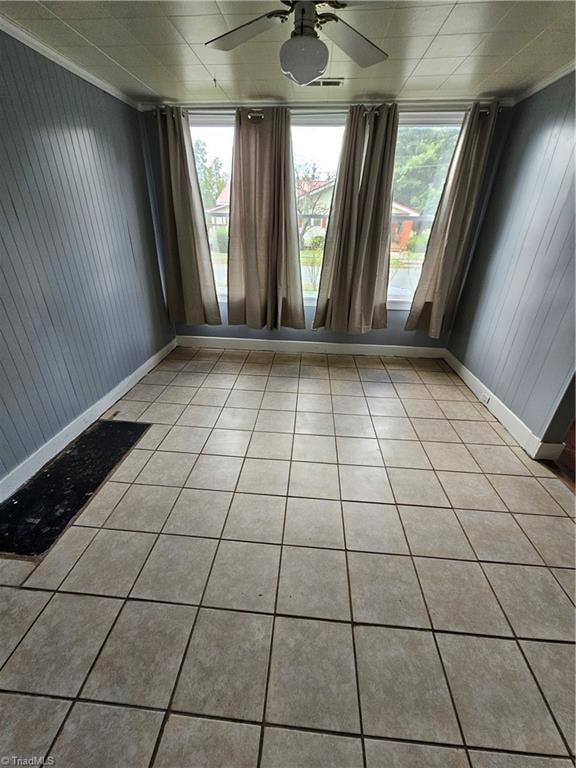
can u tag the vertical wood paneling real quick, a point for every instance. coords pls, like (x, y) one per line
(515, 324)
(81, 302)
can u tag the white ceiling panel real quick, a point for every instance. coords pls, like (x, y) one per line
(154, 51)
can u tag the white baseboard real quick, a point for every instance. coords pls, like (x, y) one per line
(532, 444)
(28, 468)
(328, 347)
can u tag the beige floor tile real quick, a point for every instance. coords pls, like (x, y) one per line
(477, 432)
(312, 678)
(359, 450)
(131, 466)
(435, 430)
(199, 415)
(185, 439)
(498, 459)
(533, 601)
(350, 404)
(497, 700)
(415, 391)
(211, 743)
(143, 508)
(422, 409)
(57, 653)
(176, 570)
(14, 572)
(313, 583)
(215, 473)
(224, 673)
(459, 597)
(254, 382)
(282, 384)
(275, 421)
(318, 448)
(167, 468)
(244, 577)
(497, 536)
(404, 453)
(210, 397)
(244, 398)
(28, 724)
(199, 513)
(396, 754)
(314, 403)
(373, 528)
(179, 395)
(130, 736)
(18, 610)
(461, 411)
(101, 504)
(110, 564)
(279, 401)
(394, 428)
(379, 389)
(255, 517)
(385, 406)
(162, 413)
(435, 532)
(264, 476)
(563, 495)
(314, 424)
(567, 579)
(450, 456)
(189, 378)
(365, 484)
(227, 442)
(470, 491)
(553, 665)
(270, 445)
(140, 659)
(317, 386)
(553, 537)
(417, 486)
(347, 425)
(403, 692)
(314, 523)
(61, 558)
(315, 481)
(385, 590)
(284, 747)
(337, 387)
(237, 418)
(525, 495)
(509, 760)
(125, 410)
(153, 436)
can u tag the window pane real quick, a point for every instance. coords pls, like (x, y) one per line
(213, 154)
(316, 153)
(423, 154)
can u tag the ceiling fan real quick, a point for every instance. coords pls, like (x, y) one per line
(304, 57)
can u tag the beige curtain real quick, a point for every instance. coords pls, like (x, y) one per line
(437, 290)
(354, 278)
(190, 286)
(264, 283)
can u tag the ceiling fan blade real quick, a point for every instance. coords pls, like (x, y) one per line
(243, 33)
(358, 47)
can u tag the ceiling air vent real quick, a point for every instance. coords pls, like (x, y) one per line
(326, 83)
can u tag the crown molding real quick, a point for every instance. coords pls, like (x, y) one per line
(27, 39)
(550, 80)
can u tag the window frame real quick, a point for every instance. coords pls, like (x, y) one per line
(332, 116)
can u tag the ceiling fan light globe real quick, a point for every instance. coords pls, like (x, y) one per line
(303, 59)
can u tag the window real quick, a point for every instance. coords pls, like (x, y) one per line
(212, 138)
(424, 149)
(316, 143)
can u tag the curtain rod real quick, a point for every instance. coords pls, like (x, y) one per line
(405, 106)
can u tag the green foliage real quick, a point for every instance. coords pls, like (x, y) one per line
(317, 243)
(422, 159)
(211, 176)
(221, 238)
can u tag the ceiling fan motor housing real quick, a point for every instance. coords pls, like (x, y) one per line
(304, 57)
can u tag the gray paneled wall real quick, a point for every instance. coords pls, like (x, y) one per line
(515, 324)
(81, 304)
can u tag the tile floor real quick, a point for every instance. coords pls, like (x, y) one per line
(308, 560)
